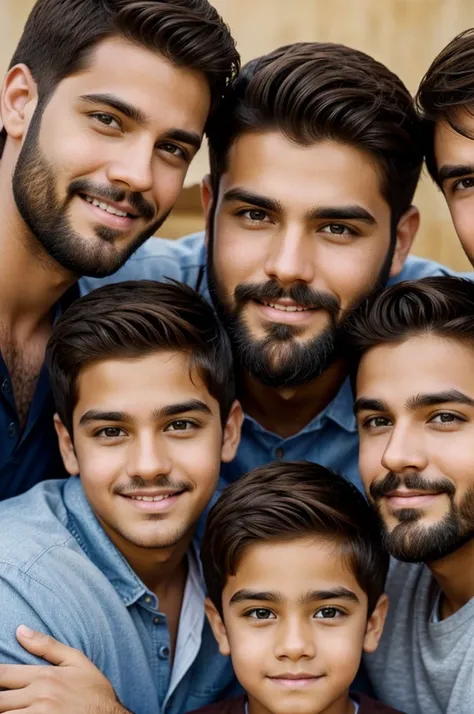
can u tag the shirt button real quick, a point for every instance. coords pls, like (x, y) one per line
(11, 431)
(164, 652)
(148, 600)
(156, 620)
(279, 453)
(6, 387)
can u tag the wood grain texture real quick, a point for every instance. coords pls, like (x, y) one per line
(404, 34)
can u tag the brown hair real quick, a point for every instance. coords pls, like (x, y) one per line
(133, 319)
(312, 92)
(60, 35)
(285, 501)
(447, 87)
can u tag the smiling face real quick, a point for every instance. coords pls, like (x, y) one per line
(415, 413)
(104, 160)
(454, 155)
(301, 234)
(148, 444)
(295, 624)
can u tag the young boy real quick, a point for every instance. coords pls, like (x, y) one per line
(295, 578)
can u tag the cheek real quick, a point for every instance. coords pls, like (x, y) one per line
(461, 213)
(167, 184)
(371, 452)
(251, 652)
(237, 258)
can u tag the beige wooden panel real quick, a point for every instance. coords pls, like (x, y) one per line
(404, 34)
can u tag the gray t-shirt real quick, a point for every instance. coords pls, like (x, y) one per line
(423, 666)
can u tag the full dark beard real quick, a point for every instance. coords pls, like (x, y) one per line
(34, 190)
(413, 542)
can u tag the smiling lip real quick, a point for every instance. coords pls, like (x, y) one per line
(112, 220)
(284, 311)
(123, 206)
(152, 502)
(293, 681)
(411, 498)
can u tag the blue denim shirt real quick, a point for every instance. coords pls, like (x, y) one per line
(330, 439)
(61, 574)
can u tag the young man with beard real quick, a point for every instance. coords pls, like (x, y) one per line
(445, 99)
(105, 561)
(93, 160)
(315, 158)
(415, 412)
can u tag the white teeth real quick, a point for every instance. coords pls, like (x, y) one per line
(106, 207)
(151, 498)
(286, 308)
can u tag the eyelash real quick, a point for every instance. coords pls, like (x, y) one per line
(97, 115)
(180, 152)
(350, 230)
(338, 613)
(455, 418)
(457, 184)
(101, 433)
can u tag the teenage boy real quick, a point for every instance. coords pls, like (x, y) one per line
(445, 99)
(415, 412)
(92, 161)
(314, 162)
(295, 576)
(105, 562)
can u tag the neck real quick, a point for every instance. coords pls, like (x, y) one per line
(30, 281)
(455, 577)
(286, 411)
(342, 705)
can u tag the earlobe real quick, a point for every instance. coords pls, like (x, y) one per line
(375, 624)
(217, 627)
(406, 231)
(231, 436)
(19, 99)
(66, 447)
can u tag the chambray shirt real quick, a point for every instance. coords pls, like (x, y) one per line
(60, 573)
(330, 439)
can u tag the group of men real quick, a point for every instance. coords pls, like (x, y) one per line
(296, 342)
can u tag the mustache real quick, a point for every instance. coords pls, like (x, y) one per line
(137, 483)
(112, 193)
(299, 293)
(413, 481)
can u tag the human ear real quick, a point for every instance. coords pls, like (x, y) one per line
(407, 229)
(18, 101)
(66, 447)
(217, 627)
(231, 436)
(375, 625)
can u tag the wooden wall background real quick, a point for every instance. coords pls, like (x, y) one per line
(404, 34)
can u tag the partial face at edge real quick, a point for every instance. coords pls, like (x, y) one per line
(415, 413)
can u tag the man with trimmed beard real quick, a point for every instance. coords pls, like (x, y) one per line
(315, 158)
(414, 346)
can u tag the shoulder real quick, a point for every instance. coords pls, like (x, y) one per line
(371, 706)
(416, 268)
(158, 259)
(236, 705)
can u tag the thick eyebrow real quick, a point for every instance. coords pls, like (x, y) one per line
(191, 405)
(140, 118)
(367, 404)
(450, 171)
(256, 199)
(342, 213)
(335, 594)
(242, 595)
(432, 400)
(97, 415)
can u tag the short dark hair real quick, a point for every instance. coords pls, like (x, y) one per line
(285, 501)
(133, 319)
(59, 36)
(440, 305)
(310, 92)
(447, 87)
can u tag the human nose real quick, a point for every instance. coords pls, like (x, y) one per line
(288, 260)
(405, 450)
(295, 640)
(149, 458)
(132, 167)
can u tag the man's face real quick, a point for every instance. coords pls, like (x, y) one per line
(148, 444)
(295, 624)
(301, 235)
(415, 413)
(454, 156)
(105, 159)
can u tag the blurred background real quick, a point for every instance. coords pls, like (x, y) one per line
(405, 35)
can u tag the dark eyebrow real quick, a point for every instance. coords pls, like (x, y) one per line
(242, 595)
(365, 403)
(335, 594)
(97, 415)
(191, 405)
(239, 194)
(339, 213)
(124, 108)
(432, 400)
(450, 171)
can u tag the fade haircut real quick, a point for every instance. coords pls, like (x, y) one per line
(134, 319)
(446, 88)
(60, 35)
(284, 501)
(443, 306)
(313, 92)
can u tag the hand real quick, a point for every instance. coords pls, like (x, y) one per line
(74, 686)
